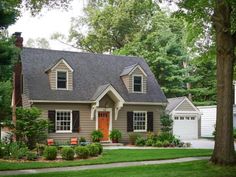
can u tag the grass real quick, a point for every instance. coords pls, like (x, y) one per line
(111, 156)
(193, 169)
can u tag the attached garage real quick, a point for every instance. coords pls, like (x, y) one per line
(186, 118)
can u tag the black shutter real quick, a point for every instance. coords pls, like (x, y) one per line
(129, 121)
(51, 118)
(150, 121)
(76, 121)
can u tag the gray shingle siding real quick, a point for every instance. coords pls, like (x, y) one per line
(90, 72)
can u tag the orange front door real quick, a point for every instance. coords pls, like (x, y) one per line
(103, 124)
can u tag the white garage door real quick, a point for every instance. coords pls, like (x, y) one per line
(185, 127)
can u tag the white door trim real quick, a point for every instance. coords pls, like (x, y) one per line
(110, 117)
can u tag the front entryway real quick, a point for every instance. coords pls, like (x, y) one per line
(103, 124)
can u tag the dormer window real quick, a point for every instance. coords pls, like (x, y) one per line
(137, 83)
(62, 80)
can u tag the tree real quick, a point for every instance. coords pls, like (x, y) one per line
(30, 128)
(222, 14)
(38, 43)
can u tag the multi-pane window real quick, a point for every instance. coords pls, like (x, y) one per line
(137, 83)
(61, 79)
(140, 121)
(63, 121)
(184, 118)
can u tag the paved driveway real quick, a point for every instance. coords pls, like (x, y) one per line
(195, 144)
(203, 143)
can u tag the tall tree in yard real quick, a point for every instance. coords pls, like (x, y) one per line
(222, 14)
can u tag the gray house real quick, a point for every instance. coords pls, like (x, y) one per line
(82, 92)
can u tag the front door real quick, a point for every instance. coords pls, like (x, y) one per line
(103, 124)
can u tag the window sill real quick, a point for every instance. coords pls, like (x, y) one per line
(63, 132)
(140, 131)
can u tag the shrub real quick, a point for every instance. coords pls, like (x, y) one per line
(99, 147)
(2, 150)
(140, 141)
(166, 123)
(82, 139)
(149, 142)
(166, 143)
(175, 141)
(166, 136)
(31, 156)
(115, 135)
(40, 148)
(17, 150)
(67, 153)
(158, 144)
(93, 150)
(152, 136)
(96, 135)
(30, 127)
(50, 152)
(133, 137)
(82, 152)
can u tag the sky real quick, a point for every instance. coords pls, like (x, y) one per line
(44, 26)
(56, 20)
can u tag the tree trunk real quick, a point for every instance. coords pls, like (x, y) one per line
(224, 153)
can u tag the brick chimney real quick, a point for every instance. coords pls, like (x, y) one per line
(17, 78)
(19, 39)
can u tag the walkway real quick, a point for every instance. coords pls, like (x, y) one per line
(101, 166)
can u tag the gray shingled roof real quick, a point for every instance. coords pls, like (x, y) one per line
(91, 72)
(128, 69)
(173, 102)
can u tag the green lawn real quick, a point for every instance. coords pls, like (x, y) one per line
(188, 169)
(110, 156)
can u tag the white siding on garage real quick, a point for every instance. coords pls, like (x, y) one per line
(208, 120)
(185, 127)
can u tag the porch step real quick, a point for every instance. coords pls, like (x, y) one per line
(111, 144)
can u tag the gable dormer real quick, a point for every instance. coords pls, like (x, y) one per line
(135, 79)
(60, 76)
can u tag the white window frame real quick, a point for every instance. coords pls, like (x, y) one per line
(71, 119)
(137, 75)
(145, 121)
(61, 70)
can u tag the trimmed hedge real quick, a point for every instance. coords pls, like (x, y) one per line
(93, 150)
(50, 152)
(67, 153)
(82, 152)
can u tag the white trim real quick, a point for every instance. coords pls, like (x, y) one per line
(140, 68)
(185, 99)
(62, 60)
(147, 103)
(71, 120)
(203, 107)
(137, 75)
(55, 101)
(67, 74)
(110, 117)
(119, 103)
(145, 121)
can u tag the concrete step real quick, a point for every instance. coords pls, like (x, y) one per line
(111, 144)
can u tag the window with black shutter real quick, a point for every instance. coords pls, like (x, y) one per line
(129, 121)
(150, 121)
(76, 121)
(51, 118)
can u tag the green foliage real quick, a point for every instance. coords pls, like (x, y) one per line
(149, 142)
(82, 139)
(93, 149)
(133, 137)
(30, 127)
(96, 135)
(166, 143)
(158, 144)
(99, 147)
(5, 100)
(140, 141)
(164, 136)
(40, 148)
(67, 153)
(31, 156)
(50, 152)
(82, 152)
(115, 135)
(16, 150)
(166, 123)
